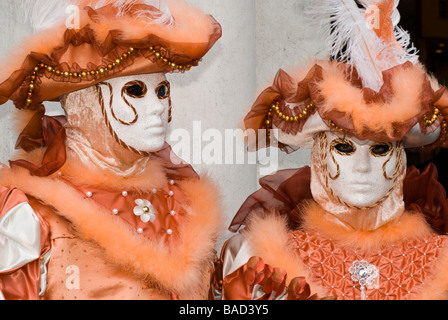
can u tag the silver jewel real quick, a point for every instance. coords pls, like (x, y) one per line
(366, 274)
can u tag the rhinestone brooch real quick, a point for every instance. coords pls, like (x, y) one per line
(365, 274)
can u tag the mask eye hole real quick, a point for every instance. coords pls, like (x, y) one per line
(135, 89)
(343, 147)
(380, 149)
(163, 90)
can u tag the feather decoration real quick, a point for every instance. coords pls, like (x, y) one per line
(350, 37)
(43, 14)
(401, 36)
(162, 17)
(46, 14)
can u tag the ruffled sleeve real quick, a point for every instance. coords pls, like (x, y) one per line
(247, 277)
(425, 194)
(282, 191)
(24, 247)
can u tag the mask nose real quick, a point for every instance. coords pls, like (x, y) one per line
(153, 107)
(158, 107)
(361, 163)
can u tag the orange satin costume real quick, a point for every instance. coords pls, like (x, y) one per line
(315, 232)
(99, 249)
(293, 237)
(75, 200)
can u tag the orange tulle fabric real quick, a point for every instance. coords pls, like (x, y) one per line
(282, 191)
(43, 131)
(284, 90)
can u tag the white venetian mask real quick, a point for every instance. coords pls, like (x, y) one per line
(137, 110)
(360, 174)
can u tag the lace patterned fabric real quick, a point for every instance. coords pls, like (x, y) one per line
(403, 268)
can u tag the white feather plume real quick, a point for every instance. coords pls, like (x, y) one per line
(349, 37)
(163, 17)
(402, 36)
(46, 14)
(43, 14)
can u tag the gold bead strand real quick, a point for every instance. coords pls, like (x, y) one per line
(32, 85)
(42, 67)
(444, 133)
(433, 119)
(303, 115)
(334, 126)
(102, 70)
(268, 121)
(159, 55)
(275, 109)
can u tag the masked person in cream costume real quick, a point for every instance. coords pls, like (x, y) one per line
(357, 224)
(95, 205)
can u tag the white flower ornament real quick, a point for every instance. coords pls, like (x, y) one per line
(145, 210)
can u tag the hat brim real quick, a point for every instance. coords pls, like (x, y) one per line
(328, 98)
(87, 56)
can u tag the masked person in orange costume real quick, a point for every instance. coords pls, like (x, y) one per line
(95, 205)
(358, 224)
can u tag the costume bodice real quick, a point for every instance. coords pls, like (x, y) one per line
(403, 268)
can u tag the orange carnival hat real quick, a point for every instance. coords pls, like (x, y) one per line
(375, 89)
(110, 38)
(101, 40)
